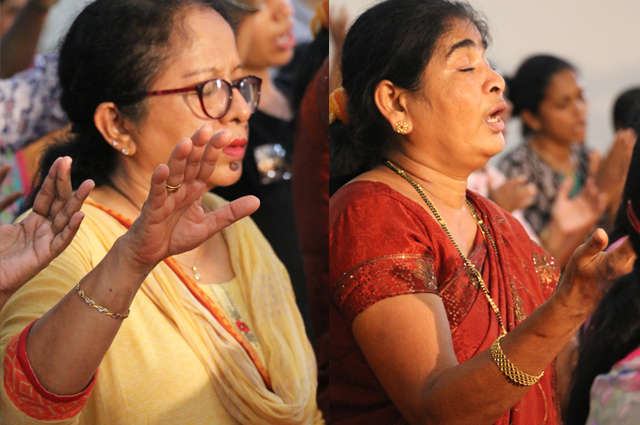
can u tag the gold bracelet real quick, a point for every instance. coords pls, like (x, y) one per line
(100, 309)
(514, 374)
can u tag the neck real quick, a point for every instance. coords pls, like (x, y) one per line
(125, 193)
(272, 101)
(550, 150)
(443, 188)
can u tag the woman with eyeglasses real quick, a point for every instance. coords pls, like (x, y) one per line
(165, 308)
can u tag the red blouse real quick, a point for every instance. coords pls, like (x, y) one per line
(383, 244)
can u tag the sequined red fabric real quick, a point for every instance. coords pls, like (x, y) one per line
(383, 244)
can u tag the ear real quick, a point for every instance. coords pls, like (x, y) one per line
(531, 120)
(111, 124)
(391, 102)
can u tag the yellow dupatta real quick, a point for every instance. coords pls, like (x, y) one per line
(283, 389)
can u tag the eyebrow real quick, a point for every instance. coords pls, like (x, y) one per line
(212, 70)
(467, 43)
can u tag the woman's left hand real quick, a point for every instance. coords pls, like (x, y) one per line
(173, 222)
(591, 272)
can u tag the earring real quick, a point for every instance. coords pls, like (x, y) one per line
(402, 127)
(114, 143)
(234, 166)
(125, 151)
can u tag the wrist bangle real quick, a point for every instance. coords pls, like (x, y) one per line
(100, 309)
(515, 375)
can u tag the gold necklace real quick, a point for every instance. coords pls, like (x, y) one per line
(444, 226)
(194, 269)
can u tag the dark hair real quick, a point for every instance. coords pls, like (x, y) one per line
(613, 331)
(394, 40)
(112, 53)
(528, 87)
(624, 108)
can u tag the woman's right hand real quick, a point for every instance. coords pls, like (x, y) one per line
(174, 222)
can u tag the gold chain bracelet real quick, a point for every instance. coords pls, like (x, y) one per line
(103, 310)
(514, 374)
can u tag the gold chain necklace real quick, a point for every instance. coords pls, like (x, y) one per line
(194, 269)
(444, 226)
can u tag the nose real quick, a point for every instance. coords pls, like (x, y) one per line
(281, 9)
(494, 83)
(240, 111)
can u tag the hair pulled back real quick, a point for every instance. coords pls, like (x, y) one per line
(527, 89)
(113, 52)
(394, 40)
(614, 328)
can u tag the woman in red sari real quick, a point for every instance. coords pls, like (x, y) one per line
(442, 308)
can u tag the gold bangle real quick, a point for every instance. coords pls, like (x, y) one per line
(514, 374)
(100, 309)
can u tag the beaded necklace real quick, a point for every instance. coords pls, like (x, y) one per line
(444, 226)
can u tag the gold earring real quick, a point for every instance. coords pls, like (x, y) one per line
(402, 127)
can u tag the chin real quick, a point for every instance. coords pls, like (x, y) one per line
(224, 176)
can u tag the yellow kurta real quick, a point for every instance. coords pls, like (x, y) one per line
(157, 370)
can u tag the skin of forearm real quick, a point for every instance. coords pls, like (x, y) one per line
(19, 44)
(65, 347)
(487, 393)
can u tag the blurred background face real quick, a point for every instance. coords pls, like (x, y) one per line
(562, 113)
(265, 38)
(8, 11)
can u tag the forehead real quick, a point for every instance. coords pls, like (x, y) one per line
(202, 38)
(459, 35)
(563, 83)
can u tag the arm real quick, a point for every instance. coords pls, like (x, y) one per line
(68, 343)
(18, 45)
(29, 246)
(415, 362)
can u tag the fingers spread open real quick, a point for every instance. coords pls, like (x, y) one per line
(211, 154)
(200, 139)
(64, 238)
(47, 194)
(230, 213)
(158, 192)
(178, 161)
(73, 205)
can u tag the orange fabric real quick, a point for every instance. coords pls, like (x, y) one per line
(28, 395)
(320, 19)
(374, 231)
(203, 298)
(338, 106)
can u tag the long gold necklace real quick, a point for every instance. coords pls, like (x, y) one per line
(444, 226)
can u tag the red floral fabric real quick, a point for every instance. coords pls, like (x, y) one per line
(28, 395)
(371, 225)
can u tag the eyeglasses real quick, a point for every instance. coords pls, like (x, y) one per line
(216, 95)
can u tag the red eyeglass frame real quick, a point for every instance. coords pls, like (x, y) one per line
(198, 88)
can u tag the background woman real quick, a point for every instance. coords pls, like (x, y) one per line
(548, 96)
(427, 278)
(137, 76)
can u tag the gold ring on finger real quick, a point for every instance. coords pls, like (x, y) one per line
(172, 188)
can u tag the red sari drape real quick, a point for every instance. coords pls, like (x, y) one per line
(383, 244)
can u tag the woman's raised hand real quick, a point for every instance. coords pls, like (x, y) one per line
(29, 246)
(591, 272)
(173, 222)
